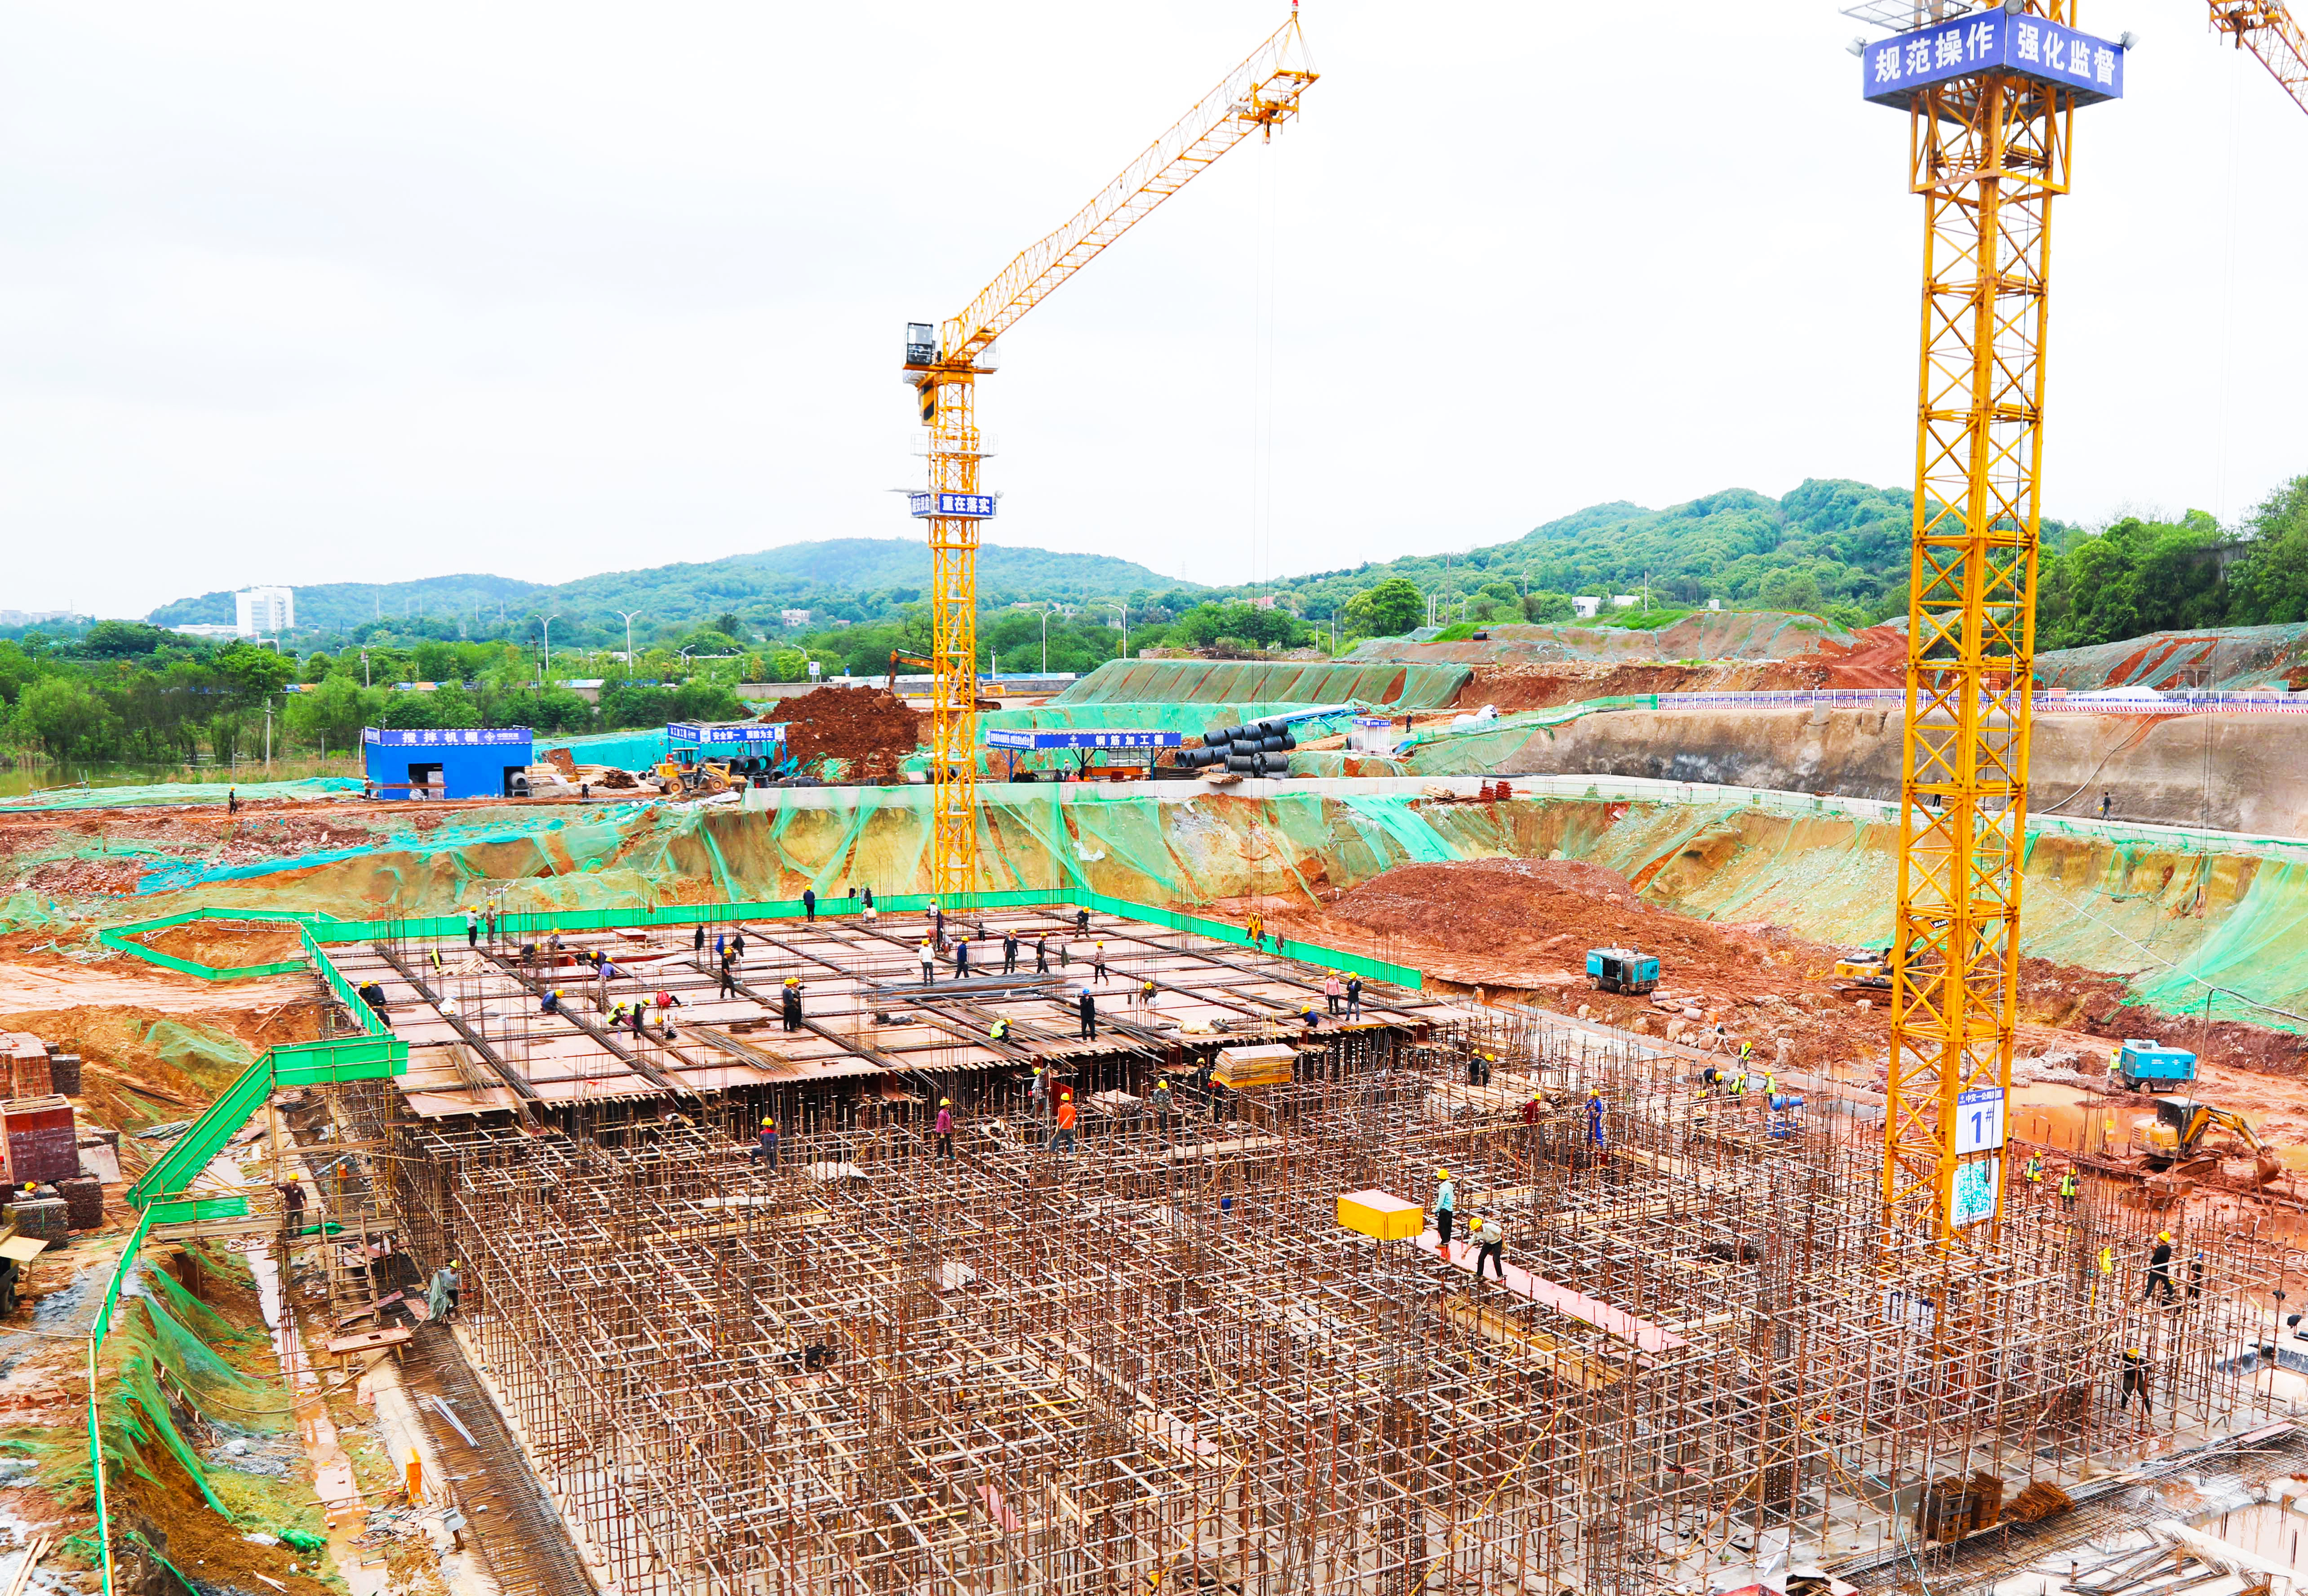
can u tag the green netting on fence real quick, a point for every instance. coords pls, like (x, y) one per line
(183, 792)
(1215, 681)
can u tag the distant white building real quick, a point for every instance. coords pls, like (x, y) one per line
(794, 617)
(1625, 601)
(1714, 604)
(209, 632)
(1585, 608)
(260, 611)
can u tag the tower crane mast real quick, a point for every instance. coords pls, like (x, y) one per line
(945, 362)
(1991, 95)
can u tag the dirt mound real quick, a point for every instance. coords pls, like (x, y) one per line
(1876, 658)
(1497, 905)
(868, 728)
(1548, 686)
(223, 946)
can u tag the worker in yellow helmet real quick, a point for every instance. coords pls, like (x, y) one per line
(1446, 1208)
(2135, 1380)
(2160, 1268)
(945, 1128)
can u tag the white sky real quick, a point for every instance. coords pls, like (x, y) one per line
(304, 293)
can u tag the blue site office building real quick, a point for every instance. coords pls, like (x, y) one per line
(441, 762)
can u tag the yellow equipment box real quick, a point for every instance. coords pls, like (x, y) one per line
(1375, 1213)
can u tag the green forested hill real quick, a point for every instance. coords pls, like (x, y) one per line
(850, 579)
(1828, 547)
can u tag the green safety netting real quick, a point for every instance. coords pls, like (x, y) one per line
(182, 792)
(1215, 681)
(209, 1058)
(1729, 634)
(29, 911)
(160, 1356)
(625, 751)
(2226, 658)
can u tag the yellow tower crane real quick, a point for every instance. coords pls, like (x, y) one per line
(945, 362)
(1991, 93)
(2271, 32)
(1991, 88)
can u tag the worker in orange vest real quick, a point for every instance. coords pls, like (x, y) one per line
(1066, 1136)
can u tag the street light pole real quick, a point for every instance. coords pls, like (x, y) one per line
(1046, 639)
(629, 615)
(546, 679)
(1125, 609)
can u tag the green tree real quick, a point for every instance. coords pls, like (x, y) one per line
(1388, 609)
(2272, 584)
(1545, 608)
(68, 718)
(255, 674)
(332, 714)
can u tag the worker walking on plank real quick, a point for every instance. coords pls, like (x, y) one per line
(2160, 1268)
(473, 929)
(1009, 953)
(1491, 1234)
(728, 976)
(2033, 1173)
(1162, 1106)
(809, 903)
(945, 1128)
(1594, 1117)
(1333, 991)
(791, 1015)
(1446, 1208)
(1041, 956)
(961, 956)
(2068, 1191)
(2135, 1381)
(765, 1145)
(929, 962)
(696, 939)
(1064, 1139)
(1097, 963)
(1354, 997)
(1087, 1007)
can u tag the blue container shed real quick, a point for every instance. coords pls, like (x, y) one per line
(436, 762)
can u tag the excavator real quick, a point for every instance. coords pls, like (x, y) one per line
(2175, 1139)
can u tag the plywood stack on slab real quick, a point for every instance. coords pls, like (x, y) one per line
(1269, 1064)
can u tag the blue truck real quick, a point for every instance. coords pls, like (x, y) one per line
(1620, 970)
(2141, 1063)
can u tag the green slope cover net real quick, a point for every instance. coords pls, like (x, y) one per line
(1216, 682)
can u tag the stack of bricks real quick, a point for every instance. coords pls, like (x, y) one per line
(39, 1140)
(25, 1070)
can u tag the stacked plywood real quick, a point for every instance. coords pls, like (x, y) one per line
(1268, 1064)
